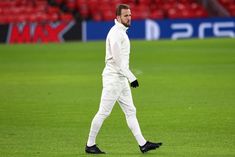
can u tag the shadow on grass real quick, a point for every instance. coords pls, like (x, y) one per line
(125, 154)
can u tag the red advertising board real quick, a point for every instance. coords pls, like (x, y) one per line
(40, 32)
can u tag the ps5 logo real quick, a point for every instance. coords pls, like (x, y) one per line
(218, 29)
(188, 30)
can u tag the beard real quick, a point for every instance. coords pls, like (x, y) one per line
(126, 24)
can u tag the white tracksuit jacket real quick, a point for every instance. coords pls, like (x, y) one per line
(117, 53)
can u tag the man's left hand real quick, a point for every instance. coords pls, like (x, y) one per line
(135, 84)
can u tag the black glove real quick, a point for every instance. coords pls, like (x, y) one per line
(134, 84)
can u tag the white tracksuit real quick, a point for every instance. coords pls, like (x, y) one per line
(116, 75)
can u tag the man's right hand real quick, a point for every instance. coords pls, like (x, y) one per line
(135, 84)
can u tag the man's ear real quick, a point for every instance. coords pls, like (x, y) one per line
(118, 18)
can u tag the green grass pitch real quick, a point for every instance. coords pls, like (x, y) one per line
(186, 99)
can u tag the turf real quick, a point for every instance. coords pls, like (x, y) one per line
(186, 99)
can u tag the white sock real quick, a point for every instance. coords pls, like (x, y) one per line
(135, 128)
(140, 139)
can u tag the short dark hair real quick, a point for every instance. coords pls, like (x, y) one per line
(120, 7)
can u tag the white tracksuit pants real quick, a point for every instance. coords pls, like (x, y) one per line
(116, 88)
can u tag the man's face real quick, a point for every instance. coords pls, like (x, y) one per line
(125, 17)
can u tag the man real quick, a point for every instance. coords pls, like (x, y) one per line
(116, 75)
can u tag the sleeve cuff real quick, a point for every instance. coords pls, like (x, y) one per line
(131, 78)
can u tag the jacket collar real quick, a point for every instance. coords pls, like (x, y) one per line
(120, 25)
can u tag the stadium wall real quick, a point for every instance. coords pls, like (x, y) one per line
(142, 29)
